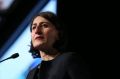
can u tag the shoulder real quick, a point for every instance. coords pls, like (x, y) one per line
(68, 54)
(77, 67)
(70, 57)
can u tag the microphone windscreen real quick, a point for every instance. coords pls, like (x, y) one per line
(15, 55)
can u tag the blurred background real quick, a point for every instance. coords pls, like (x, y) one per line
(82, 20)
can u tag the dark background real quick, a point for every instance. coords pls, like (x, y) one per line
(80, 20)
(85, 23)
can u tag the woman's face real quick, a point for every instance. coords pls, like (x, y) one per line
(43, 34)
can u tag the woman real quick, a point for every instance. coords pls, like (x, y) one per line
(48, 42)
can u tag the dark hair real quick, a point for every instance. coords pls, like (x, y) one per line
(60, 44)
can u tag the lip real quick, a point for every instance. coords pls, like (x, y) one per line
(39, 37)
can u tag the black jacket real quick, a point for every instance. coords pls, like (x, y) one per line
(66, 66)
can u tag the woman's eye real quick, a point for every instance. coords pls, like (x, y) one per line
(33, 27)
(45, 25)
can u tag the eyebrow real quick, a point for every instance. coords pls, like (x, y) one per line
(44, 22)
(41, 23)
(34, 23)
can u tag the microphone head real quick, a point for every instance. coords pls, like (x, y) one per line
(15, 55)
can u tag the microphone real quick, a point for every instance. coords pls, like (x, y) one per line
(15, 55)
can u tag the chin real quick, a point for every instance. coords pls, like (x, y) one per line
(38, 45)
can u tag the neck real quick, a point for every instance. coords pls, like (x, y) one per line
(48, 55)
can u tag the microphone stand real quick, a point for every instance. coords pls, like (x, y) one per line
(4, 60)
(12, 56)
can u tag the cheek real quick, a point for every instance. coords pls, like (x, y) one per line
(32, 36)
(47, 32)
(52, 35)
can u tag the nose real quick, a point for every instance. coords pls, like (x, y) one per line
(38, 30)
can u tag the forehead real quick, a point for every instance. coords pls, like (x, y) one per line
(39, 19)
